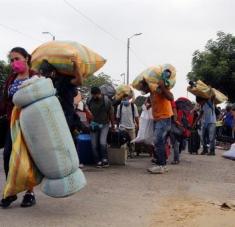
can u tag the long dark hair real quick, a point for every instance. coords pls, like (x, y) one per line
(22, 52)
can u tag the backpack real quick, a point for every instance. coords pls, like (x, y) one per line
(184, 107)
(106, 101)
(132, 109)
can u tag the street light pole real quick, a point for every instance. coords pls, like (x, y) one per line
(128, 56)
(53, 37)
(124, 78)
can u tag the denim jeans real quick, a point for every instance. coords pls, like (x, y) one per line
(176, 147)
(208, 136)
(99, 143)
(161, 130)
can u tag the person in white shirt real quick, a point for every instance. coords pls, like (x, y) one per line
(128, 119)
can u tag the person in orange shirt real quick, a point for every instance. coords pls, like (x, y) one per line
(162, 112)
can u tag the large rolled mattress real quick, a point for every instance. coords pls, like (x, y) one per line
(48, 138)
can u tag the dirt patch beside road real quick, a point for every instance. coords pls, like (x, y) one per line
(181, 212)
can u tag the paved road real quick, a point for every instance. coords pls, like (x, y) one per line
(126, 196)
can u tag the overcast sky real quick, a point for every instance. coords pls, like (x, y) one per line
(172, 29)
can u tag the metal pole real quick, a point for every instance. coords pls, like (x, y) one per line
(127, 71)
(124, 77)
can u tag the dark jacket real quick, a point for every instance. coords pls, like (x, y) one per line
(6, 104)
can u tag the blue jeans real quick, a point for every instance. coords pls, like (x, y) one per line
(161, 130)
(99, 143)
(176, 147)
(208, 136)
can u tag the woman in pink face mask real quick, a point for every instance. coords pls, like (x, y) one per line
(20, 67)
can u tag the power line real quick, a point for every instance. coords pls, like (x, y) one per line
(138, 58)
(103, 30)
(93, 22)
(19, 32)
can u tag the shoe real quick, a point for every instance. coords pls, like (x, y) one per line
(154, 161)
(8, 201)
(175, 162)
(28, 200)
(211, 153)
(99, 165)
(166, 168)
(105, 163)
(81, 165)
(157, 169)
(204, 152)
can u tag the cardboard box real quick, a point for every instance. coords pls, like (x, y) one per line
(118, 156)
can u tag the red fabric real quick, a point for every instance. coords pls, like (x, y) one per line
(189, 117)
(6, 105)
(173, 104)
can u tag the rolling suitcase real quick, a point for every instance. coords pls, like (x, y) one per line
(84, 149)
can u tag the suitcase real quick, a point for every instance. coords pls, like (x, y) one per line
(194, 142)
(84, 149)
(118, 138)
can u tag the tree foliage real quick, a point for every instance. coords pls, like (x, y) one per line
(216, 64)
(4, 72)
(98, 80)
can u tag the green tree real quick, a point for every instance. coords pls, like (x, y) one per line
(216, 64)
(4, 72)
(98, 80)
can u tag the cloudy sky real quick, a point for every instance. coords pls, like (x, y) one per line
(172, 29)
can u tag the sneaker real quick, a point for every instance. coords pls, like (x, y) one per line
(175, 162)
(105, 163)
(81, 165)
(99, 165)
(8, 201)
(157, 169)
(211, 153)
(166, 168)
(28, 200)
(204, 152)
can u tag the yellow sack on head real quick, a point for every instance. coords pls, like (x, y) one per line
(152, 75)
(219, 96)
(123, 90)
(60, 53)
(201, 90)
(22, 175)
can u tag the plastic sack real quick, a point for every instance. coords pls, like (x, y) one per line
(153, 74)
(146, 130)
(23, 174)
(48, 138)
(108, 90)
(60, 53)
(123, 90)
(202, 90)
(219, 96)
(230, 154)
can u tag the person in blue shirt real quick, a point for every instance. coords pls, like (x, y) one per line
(208, 121)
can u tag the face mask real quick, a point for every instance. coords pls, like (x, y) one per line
(18, 66)
(125, 102)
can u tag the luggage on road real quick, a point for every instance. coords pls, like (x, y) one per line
(118, 138)
(84, 149)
